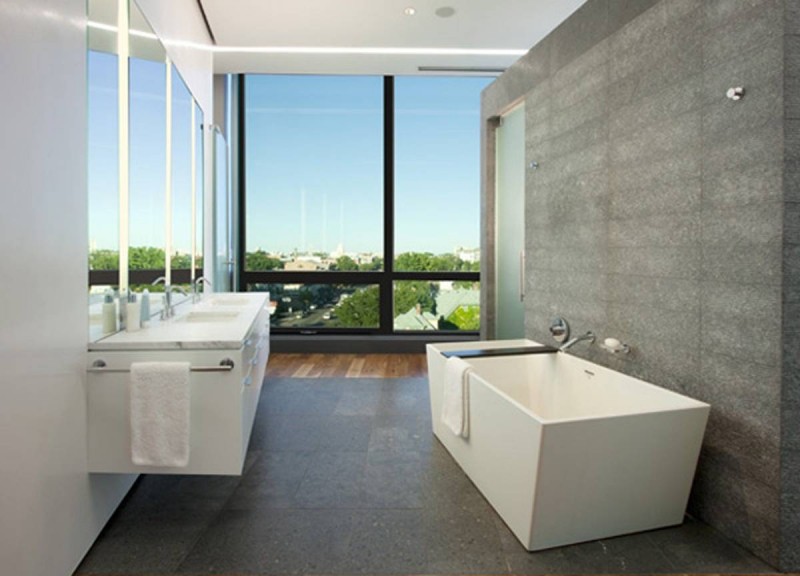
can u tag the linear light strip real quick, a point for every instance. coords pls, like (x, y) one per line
(193, 148)
(374, 51)
(367, 51)
(168, 180)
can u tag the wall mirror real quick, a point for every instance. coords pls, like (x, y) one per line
(145, 165)
(103, 71)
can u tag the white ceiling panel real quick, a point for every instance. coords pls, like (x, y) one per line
(266, 35)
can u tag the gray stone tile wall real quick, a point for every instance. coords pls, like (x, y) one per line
(790, 414)
(657, 216)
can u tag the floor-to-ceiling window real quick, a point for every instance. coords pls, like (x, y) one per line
(361, 201)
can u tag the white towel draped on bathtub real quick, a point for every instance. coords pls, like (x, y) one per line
(159, 394)
(455, 402)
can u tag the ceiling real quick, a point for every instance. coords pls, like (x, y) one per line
(376, 36)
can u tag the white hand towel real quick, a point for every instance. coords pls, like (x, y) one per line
(159, 394)
(455, 403)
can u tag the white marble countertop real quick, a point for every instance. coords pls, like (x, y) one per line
(218, 321)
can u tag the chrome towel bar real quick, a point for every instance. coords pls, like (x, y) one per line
(225, 365)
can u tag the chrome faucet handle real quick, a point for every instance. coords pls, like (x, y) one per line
(589, 336)
(196, 294)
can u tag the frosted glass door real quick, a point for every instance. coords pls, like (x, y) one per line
(510, 235)
(222, 217)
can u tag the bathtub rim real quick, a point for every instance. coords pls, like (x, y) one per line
(692, 403)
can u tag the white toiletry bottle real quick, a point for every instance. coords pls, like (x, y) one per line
(123, 309)
(109, 313)
(134, 314)
(144, 309)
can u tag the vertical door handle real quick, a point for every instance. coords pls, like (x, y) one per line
(521, 275)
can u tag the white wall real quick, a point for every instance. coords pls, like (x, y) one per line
(179, 24)
(51, 510)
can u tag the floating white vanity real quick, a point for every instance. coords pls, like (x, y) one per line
(225, 338)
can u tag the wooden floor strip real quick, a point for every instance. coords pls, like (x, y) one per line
(347, 366)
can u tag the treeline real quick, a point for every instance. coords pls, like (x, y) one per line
(139, 258)
(260, 261)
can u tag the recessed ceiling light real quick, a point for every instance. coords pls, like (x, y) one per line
(410, 11)
(445, 11)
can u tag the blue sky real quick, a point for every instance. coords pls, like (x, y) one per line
(315, 156)
(147, 154)
(314, 160)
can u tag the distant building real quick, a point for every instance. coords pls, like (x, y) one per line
(468, 254)
(305, 264)
(446, 304)
(416, 319)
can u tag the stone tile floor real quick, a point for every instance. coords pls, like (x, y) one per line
(344, 477)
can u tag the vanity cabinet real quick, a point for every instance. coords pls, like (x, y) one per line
(228, 362)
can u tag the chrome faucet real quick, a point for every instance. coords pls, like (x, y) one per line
(169, 290)
(196, 294)
(589, 336)
(169, 310)
(165, 311)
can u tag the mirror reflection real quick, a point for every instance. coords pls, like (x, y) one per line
(145, 169)
(148, 151)
(198, 190)
(103, 166)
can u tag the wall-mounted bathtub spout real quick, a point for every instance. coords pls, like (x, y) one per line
(589, 336)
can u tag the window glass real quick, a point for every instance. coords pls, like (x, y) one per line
(443, 305)
(311, 306)
(314, 172)
(437, 173)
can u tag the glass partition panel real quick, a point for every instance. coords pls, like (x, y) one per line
(510, 225)
(103, 156)
(181, 198)
(223, 217)
(437, 173)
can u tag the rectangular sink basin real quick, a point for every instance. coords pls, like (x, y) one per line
(228, 301)
(211, 316)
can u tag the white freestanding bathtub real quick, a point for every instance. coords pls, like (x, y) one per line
(568, 451)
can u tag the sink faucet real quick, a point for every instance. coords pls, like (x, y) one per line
(165, 311)
(572, 341)
(196, 294)
(169, 310)
(169, 290)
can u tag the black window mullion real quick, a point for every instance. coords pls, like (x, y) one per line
(241, 181)
(386, 278)
(387, 281)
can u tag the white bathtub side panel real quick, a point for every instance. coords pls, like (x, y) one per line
(500, 456)
(436, 364)
(615, 476)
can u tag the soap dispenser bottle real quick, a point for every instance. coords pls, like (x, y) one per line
(123, 309)
(109, 313)
(134, 313)
(144, 309)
